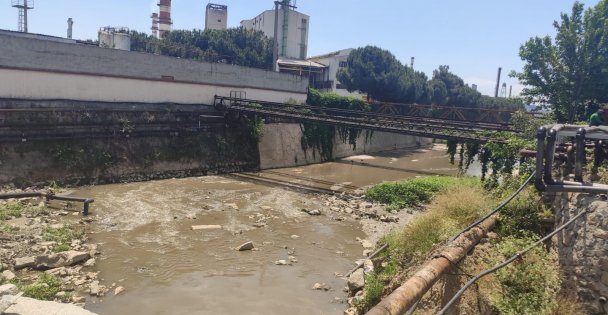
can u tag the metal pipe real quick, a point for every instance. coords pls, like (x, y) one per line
(508, 261)
(549, 157)
(383, 247)
(598, 153)
(50, 196)
(540, 155)
(596, 189)
(580, 154)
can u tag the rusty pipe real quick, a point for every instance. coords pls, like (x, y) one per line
(404, 297)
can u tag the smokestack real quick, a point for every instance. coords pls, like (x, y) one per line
(70, 23)
(164, 20)
(498, 82)
(155, 25)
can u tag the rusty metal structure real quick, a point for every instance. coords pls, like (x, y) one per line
(437, 128)
(474, 114)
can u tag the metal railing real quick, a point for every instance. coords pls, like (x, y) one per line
(50, 196)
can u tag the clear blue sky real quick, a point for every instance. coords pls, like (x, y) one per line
(473, 37)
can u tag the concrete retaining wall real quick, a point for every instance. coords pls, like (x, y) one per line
(281, 146)
(41, 69)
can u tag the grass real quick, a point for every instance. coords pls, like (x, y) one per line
(457, 203)
(62, 235)
(398, 195)
(7, 229)
(44, 288)
(61, 248)
(10, 210)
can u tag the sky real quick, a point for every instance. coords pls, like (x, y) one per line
(473, 37)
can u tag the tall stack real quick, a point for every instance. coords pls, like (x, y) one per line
(164, 19)
(155, 24)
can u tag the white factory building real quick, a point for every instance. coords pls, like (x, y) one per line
(292, 30)
(333, 62)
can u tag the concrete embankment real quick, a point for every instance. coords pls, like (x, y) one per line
(281, 146)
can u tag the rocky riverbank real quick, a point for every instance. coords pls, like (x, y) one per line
(45, 254)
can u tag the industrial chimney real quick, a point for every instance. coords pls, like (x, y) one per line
(155, 25)
(164, 20)
(70, 23)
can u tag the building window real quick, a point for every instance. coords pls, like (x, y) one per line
(340, 86)
(304, 21)
(343, 64)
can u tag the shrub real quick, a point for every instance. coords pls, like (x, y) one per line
(529, 285)
(521, 215)
(61, 248)
(18, 209)
(44, 289)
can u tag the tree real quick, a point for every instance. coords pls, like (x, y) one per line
(572, 69)
(234, 46)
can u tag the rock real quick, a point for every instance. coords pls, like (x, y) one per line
(191, 215)
(24, 262)
(206, 227)
(367, 244)
(94, 288)
(356, 281)
(62, 259)
(350, 311)
(78, 299)
(8, 289)
(368, 266)
(314, 212)
(265, 208)
(295, 237)
(233, 206)
(90, 263)
(25, 305)
(367, 252)
(320, 287)
(60, 294)
(8, 275)
(119, 290)
(246, 246)
(281, 262)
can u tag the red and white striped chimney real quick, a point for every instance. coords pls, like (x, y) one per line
(155, 25)
(164, 19)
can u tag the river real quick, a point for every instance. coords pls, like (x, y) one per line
(166, 267)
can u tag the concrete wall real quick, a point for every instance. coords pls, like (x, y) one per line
(281, 146)
(583, 248)
(33, 68)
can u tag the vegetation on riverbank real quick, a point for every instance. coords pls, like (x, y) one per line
(451, 205)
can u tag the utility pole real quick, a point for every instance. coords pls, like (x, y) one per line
(498, 82)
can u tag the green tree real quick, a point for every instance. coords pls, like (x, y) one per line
(571, 69)
(233, 46)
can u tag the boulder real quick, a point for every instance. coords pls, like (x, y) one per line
(119, 290)
(8, 275)
(246, 246)
(8, 289)
(356, 281)
(60, 259)
(24, 262)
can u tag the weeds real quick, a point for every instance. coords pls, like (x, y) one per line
(398, 195)
(63, 234)
(45, 288)
(17, 209)
(61, 248)
(450, 211)
(7, 229)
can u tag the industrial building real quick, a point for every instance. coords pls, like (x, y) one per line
(288, 27)
(216, 17)
(115, 38)
(328, 80)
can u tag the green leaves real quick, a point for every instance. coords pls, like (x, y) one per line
(571, 69)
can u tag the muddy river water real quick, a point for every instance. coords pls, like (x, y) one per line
(166, 267)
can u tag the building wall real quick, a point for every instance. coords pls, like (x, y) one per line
(297, 31)
(216, 18)
(31, 68)
(335, 61)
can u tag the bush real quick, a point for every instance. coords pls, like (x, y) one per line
(398, 195)
(61, 248)
(529, 285)
(44, 289)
